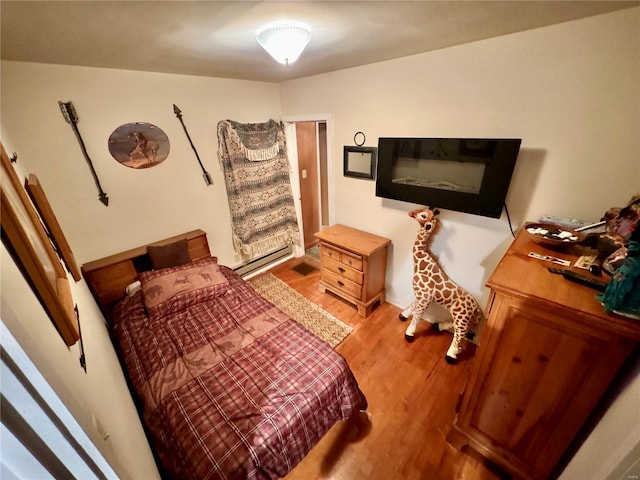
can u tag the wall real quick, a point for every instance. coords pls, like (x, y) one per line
(570, 91)
(147, 204)
(144, 205)
(94, 393)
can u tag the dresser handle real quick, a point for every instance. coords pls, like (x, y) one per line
(340, 283)
(341, 270)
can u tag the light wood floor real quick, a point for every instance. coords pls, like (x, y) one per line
(412, 394)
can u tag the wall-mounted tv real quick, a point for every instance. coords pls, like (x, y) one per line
(470, 175)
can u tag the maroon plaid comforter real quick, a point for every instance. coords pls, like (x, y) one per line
(233, 387)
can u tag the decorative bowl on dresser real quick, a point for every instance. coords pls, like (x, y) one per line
(553, 236)
(547, 356)
(354, 265)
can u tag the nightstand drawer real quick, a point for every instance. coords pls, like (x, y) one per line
(343, 256)
(336, 281)
(343, 270)
(353, 260)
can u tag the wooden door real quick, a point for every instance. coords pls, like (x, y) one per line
(308, 174)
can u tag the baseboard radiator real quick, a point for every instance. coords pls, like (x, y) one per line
(264, 261)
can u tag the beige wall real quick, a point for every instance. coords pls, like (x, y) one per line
(101, 392)
(570, 91)
(144, 205)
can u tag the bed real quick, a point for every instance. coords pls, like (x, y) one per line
(228, 386)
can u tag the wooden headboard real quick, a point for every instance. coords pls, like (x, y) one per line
(108, 277)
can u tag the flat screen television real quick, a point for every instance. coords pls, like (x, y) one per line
(470, 175)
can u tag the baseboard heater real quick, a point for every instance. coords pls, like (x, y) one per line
(264, 261)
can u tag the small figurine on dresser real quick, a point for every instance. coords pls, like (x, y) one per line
(431, 284)
(622, 294)
(620, 224)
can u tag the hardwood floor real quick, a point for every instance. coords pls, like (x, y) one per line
(412, 394)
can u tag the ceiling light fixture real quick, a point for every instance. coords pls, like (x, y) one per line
(284, 41)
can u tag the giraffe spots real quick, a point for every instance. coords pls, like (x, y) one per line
(423, 265)
(430, 282)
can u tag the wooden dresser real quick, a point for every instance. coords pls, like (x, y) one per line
(547, 354)
(354, 265)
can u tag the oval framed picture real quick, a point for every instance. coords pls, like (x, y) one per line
(139, 145)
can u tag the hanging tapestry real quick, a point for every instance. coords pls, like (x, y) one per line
(256, 173)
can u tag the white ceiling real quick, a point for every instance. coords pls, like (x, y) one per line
(217, 38)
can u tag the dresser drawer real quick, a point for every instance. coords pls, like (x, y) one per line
(343, 270)
(353, 260)
(341, 283)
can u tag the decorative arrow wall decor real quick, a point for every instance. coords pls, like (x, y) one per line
(70, 115)
(207, 177)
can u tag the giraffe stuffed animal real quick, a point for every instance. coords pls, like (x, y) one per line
(431, 284)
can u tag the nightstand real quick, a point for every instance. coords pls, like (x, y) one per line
(354, 265)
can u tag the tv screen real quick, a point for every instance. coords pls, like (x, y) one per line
(470, 175)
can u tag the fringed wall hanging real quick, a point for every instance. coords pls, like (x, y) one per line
(254, 159)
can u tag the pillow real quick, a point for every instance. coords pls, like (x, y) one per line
(151, 274)
(174, 289)
(170, 255)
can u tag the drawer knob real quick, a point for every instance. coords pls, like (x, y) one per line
(341, 270)
(340, 283)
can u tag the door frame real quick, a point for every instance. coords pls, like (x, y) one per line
(328, 120)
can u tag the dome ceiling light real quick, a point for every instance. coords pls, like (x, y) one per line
(284, 41)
